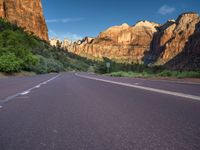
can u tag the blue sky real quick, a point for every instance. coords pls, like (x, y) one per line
(76, 19)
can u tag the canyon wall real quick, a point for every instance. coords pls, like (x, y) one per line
(175, 44)
(27, 14)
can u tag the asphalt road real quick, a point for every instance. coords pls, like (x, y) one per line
(70, 112)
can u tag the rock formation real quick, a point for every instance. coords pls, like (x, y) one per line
(54, 41)
(65, 44)
(27, 14)
(189, 58)
(122, 43)
(172, 37)
(147, 42)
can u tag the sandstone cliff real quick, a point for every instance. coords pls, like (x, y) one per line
(147, 42)
(190, 55)
(122, 43)
(27, 14)
(172, 37)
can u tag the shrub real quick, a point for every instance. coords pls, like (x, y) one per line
(188, 74)
(166, 73)
(46, 65)
(9, 63)
(25, 56)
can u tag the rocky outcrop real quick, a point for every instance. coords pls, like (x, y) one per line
(189, 58)
(172, 37)
(27, 14)
(147, 42)
(65, 44)
(54, 41)
(122, 43)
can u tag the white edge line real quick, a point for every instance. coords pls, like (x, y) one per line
(144, 88)
(27, 91)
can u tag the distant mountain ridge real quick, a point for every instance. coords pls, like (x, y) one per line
(175, 44)
(27, 14)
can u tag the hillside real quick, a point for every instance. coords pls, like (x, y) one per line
(20, 50)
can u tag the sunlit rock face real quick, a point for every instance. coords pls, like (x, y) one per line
(189, 58)
(172, 37)
(65, 44)
(54, 41)
(147, 42)
(121, 43)
(27, 14)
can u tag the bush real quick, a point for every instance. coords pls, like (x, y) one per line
(25, 56)
(9, 63)
(46, 65)
(33, 53)
(166, 73)
(188, 74)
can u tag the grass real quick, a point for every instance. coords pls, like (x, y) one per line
(142, 71)
(130, 74)
(165, 73)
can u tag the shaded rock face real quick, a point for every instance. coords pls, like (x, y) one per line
(148, 42)
(189, 58)
(172, 37)
(27, 14)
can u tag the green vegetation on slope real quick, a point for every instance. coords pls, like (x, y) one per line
(20, 51)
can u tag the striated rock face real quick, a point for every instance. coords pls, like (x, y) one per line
(189, 58)
(27, 14)
(172, 44)
(65, 44)
(172, 37)
(122, 43)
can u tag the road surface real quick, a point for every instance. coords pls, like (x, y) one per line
(81, 111)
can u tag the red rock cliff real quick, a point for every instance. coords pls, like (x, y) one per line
(27, 14)
(122, 43)
(175, 44)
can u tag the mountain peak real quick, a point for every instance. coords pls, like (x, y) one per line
(185, 17)
(125, 25)
(146, 23)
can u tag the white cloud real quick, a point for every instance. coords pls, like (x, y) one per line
(64, 20)
(165, 9)
(60, 35)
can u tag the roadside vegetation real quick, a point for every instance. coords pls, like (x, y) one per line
(20, 51)
(165, 73)
(24, 52)
(142, 71)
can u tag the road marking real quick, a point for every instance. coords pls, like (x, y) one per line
(27, 91)
(38, 86)
(144, 88)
